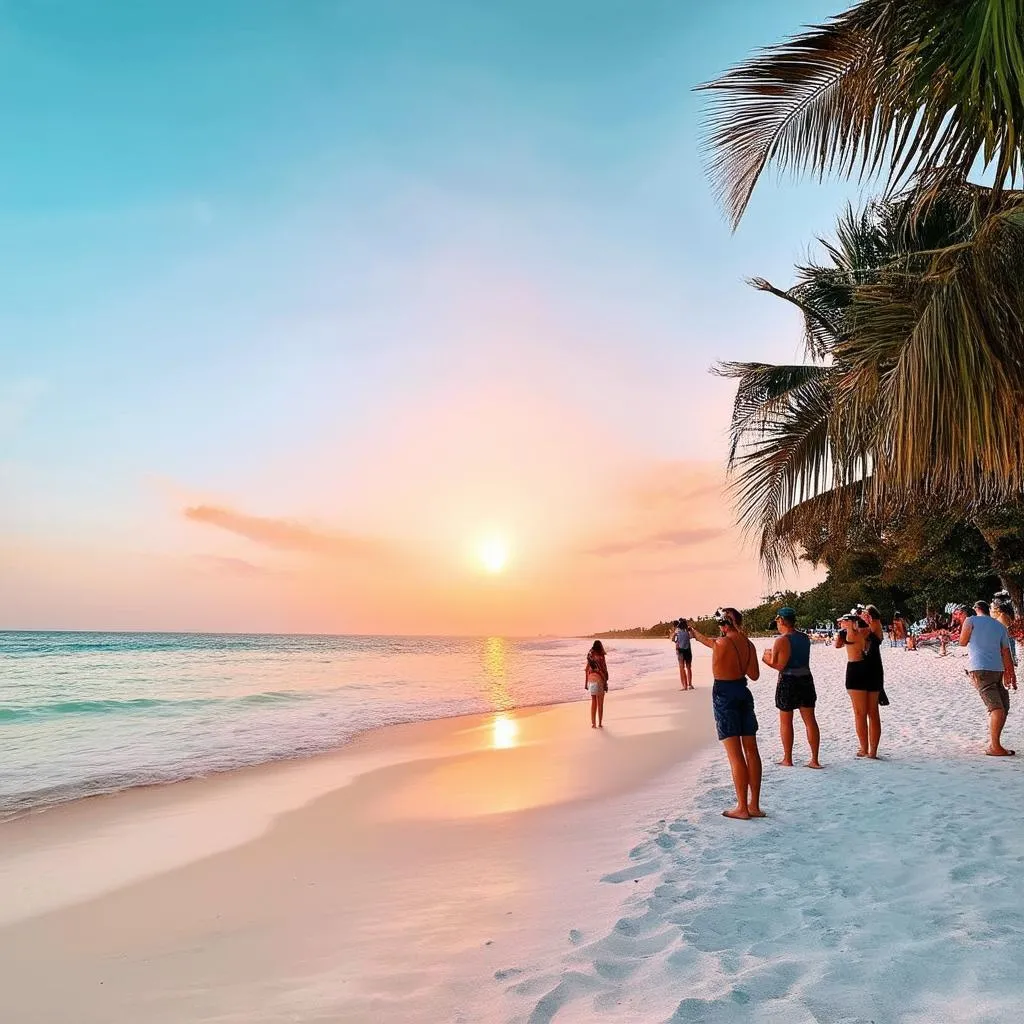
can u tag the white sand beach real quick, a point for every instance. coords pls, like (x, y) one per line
(380, 883)
(875, 892)
(525, 867)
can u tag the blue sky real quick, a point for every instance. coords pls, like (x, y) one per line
(245, 239)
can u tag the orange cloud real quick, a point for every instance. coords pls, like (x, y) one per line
(282, 534)
(657, 541)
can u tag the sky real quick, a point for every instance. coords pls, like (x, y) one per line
(304, 306)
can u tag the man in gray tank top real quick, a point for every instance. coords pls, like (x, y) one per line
(791, 656)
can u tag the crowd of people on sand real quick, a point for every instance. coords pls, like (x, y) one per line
(991, 668)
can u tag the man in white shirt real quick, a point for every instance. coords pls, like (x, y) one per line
(991, 670)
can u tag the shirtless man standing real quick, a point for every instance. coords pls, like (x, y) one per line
(733, 661)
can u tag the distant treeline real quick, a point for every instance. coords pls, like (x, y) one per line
(913, 574)
(659, 631)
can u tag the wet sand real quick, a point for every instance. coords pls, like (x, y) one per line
(384, 882)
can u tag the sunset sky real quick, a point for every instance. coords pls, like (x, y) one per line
(302, 303)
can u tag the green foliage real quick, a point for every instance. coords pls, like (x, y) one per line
(908, 413)
(656, 632)
(915, 323)
(914, 89)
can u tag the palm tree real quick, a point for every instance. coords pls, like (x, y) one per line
(915, 325)
(923, 90)
(911, 393)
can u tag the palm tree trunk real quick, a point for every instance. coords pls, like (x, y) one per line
(1003, 532)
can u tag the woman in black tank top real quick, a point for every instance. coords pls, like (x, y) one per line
(873, 652)
(862, 683)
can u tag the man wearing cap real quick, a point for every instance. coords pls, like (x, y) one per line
(991, 670)
(791, 656)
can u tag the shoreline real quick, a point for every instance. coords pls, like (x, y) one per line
(33, 803)
(186, 880)
(477, 872)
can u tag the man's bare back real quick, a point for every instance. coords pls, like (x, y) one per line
(734, 657)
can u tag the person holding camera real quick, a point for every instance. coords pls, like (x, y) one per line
(684, 654)
(862, 682)
(733, 662)
(791, 656)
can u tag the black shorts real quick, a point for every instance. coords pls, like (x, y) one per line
(794, 692)
(861, 675)
(685, 655)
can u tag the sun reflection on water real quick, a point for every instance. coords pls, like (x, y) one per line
(505, 732)
(495, 655)
(504, 728)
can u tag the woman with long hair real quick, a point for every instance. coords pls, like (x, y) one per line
(596, 683)
(873, 650)
(1003, 611)
(862, 683)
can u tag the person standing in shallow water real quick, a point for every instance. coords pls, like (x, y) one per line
(733, 661)
(791, 656)
(596, 683)
(862, 683)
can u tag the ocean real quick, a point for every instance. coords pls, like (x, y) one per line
(89, 713)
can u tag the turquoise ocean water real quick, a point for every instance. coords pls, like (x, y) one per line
(88, 713)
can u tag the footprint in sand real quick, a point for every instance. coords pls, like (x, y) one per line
(572, 985)
(633, 873)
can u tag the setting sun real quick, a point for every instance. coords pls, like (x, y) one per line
(493, 554)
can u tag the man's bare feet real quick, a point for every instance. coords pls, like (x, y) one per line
(756, 812)
(786, 762)
(736, 813)
(862, 753)
(1000, 752)
(813, 764)
(592, 726)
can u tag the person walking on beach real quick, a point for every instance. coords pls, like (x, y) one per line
(991, 670)
(684, 654)
(862, 683)
(733, 661)
(596, 683)
(791, 656)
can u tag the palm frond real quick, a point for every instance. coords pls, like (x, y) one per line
(766, 391)
(916, 393)
(800, 104)
(920, 89)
